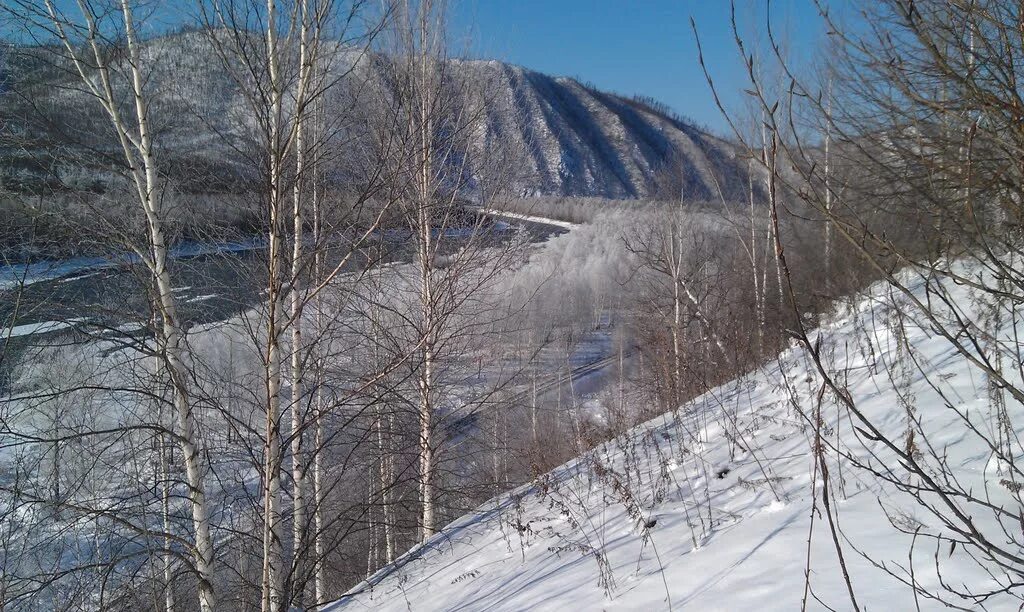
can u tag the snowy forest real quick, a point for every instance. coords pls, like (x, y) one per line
(304, 308)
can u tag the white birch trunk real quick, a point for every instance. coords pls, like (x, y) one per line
(677, 321)
(272, 583)
(759, 297)
(138, 151)
(319, 546)
(423, 124)
(372, 528)
(385, 476)
(295, 318)
(165, 509)
(533, 410)
(426, 390)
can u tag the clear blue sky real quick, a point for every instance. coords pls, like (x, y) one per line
(640, 46)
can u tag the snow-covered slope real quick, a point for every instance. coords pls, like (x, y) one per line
(711, 508)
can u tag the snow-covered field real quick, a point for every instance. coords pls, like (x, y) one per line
(710, 508)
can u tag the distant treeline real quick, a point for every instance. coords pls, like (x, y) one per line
(66, 223)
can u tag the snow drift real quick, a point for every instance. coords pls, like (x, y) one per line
(710, 507)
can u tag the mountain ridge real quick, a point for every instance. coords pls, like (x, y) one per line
(566, 138)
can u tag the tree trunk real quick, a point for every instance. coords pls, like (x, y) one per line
(272, 586)
(295, 318)
(165, 509)
(319, 546)
(173, 337)
(423, 123)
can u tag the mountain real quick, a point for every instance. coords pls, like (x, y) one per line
(580, 141)
(717, 506)
(561, 137)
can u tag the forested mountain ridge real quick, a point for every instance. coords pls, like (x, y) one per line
(557, 136)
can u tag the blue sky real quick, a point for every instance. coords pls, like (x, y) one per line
(640, 46)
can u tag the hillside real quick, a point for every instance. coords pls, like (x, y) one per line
(711, 508)
(561, 137)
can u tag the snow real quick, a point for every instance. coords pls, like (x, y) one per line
(78, 277)
(530, 218)
(672, 515)
(201, 298)
(13, 276)
(43, 327)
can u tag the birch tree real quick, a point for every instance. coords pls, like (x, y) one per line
(85, 43)
(290, 69)
(427, 136)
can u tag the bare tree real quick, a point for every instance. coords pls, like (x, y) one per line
(303, 56)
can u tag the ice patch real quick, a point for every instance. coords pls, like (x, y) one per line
(43, 327)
